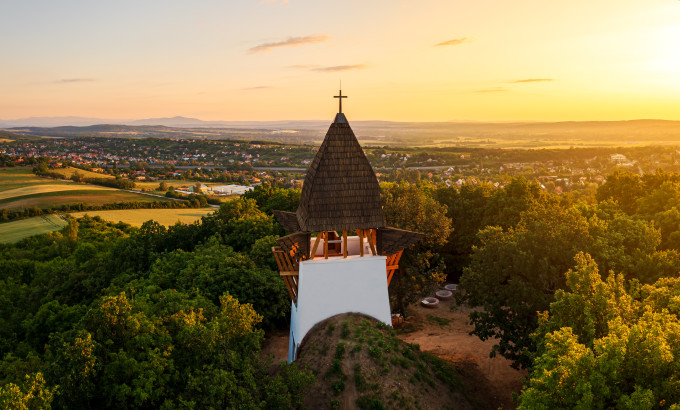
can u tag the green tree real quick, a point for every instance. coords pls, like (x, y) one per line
(32, 394)
(602, 346)
(70, 231)
(623, 187)
(421, 268)
(514, 273)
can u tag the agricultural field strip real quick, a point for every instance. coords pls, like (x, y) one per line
(137, 217)
(40, 189)
(18, 230)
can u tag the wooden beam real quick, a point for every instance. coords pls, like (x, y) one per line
(325, 244)
(344, 244)
(360, 234)
(290, 289)
(389, 277)
(370, 241)
(277, 256)
(289, 273)
(294, 283)
(397, 257)
(316, 245)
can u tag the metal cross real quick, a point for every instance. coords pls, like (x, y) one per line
(340, 97)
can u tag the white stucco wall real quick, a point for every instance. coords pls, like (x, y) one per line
(329, 287)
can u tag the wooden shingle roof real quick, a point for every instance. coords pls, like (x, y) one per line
(296, 245)
(288, 220)
(340, 191)
(392, 240)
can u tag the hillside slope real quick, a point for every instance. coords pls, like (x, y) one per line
(360, 363)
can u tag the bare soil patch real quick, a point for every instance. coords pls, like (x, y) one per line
(444, 331)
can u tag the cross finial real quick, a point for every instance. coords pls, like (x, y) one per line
(340, 97)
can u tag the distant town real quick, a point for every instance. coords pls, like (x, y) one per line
(248, 163)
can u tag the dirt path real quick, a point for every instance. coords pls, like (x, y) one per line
(444, 331)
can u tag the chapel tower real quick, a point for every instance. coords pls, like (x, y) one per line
(327, 272)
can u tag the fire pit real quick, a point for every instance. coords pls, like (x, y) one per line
(444, 294)
(430, 302)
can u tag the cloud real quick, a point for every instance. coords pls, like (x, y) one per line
(493, 90)
(74, 80)
(303, 66)
(291, 42)
(533, 80)
(454, 42)
(338, 68)
(259, 87)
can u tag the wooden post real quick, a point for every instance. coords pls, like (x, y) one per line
(344, 244)
(325, 244)
(316, 245)
(360, 234)
(371, 241)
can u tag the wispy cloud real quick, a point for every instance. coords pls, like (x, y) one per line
(338, 68)
(259, 87)
(74, 80)
(303, 66)
(290, 42)
(493, 90)
(454, 42)
(533, 80)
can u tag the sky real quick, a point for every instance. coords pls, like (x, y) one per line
(398, 60)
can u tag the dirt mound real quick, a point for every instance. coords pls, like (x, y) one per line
(361, 363)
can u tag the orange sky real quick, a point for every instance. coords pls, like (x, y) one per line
(422, 60)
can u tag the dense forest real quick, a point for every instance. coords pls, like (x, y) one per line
(581, 290)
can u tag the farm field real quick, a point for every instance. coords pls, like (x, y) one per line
(151, 186)
(68, 171)
(84, 195)
(47, 188)
(18, 230)
(137, 217)
(20, 177)
(20, 188)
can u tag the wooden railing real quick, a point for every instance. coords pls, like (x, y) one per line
(392, 265)
(289, 269)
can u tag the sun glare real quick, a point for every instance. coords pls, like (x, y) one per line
(665, 58)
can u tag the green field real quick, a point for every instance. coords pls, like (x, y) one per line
(20, 188)
(150, 186)
(21, 177)
(137, 217)
(46, 188)
(18, 230)
(86, 195)
(68, 171)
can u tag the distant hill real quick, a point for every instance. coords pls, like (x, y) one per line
(50, 122)
(464, 134)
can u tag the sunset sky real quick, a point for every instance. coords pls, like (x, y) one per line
(410, 60)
